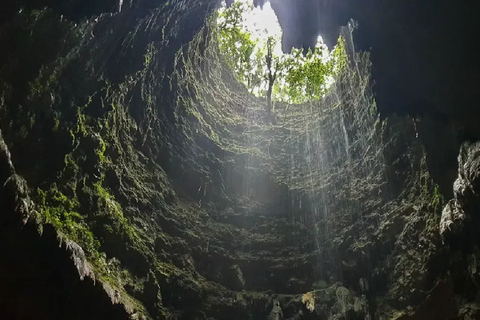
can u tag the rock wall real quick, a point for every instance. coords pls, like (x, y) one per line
(140, 179)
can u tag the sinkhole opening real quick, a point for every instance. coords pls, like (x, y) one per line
(250, 41)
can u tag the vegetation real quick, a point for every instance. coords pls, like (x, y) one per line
(62, 212)
(237, 44)
(257, 61)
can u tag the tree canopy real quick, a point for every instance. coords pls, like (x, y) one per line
(236, 43)
(254, 57)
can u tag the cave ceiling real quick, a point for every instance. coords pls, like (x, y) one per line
(424, 54)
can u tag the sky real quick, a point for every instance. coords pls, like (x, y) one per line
(264, 23)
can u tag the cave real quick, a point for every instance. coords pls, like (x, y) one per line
(140, 180)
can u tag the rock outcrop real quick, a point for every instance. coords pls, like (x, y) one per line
(140, 179)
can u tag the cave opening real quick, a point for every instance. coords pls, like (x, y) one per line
(156, 164)
(251, 39)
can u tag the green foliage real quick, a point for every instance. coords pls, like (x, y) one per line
(112, 211)
(306, 75)
(437, 199)
(431, 192)
(339, 56)
(236, 43)
(62, 212)
(296, 77)
(81, 127)
(100, 151)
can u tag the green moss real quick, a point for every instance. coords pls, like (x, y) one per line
(437, 198)
(148, 56)
(431, 191)
(81, 128)
(70, 162)
(56, 124)
(62, 212)
(113, 211)
(100, 151)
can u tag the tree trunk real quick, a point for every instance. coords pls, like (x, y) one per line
(272, 75)
(269, 97)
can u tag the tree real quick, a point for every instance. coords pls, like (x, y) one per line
(307, 74)
(296, 77)
(235, 43)
(273, 65)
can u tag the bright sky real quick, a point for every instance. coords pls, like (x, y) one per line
(263, 23)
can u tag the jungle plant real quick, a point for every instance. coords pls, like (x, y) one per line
(295, 77)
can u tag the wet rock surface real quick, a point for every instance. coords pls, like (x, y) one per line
(131, 158)
(461, 211)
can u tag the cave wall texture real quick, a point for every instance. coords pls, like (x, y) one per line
(141, 181)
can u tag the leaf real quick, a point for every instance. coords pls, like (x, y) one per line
(296, 77)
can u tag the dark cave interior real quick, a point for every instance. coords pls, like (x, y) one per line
(424, 67)
(424, 59)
